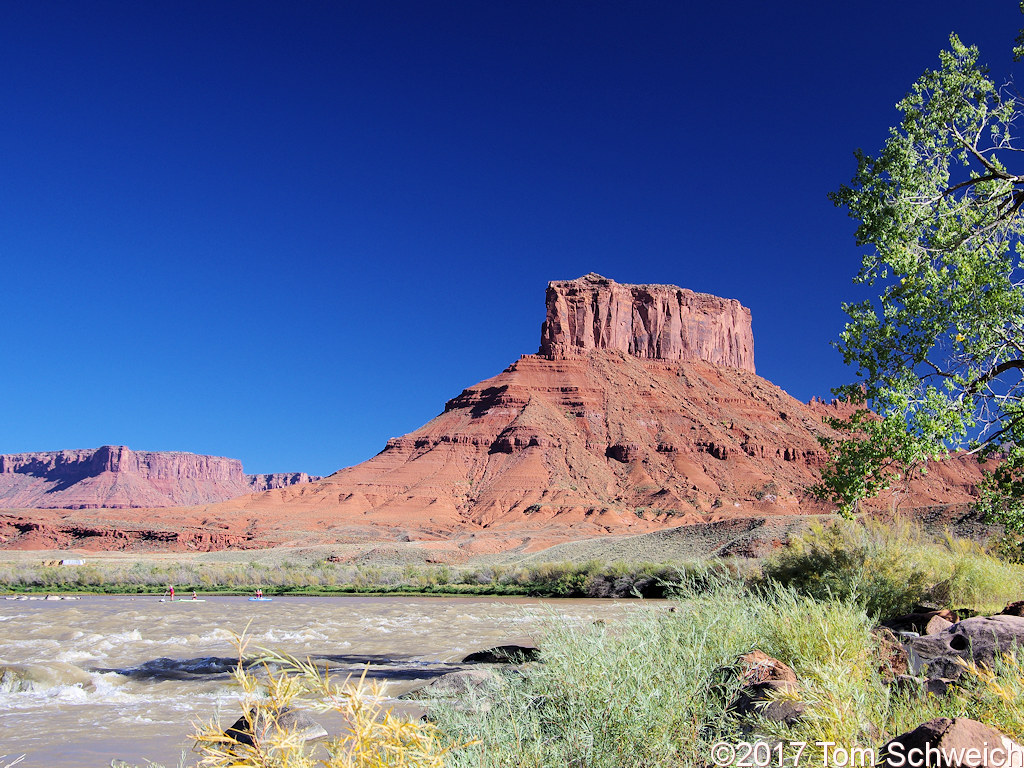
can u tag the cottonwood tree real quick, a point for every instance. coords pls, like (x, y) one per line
(939, 353)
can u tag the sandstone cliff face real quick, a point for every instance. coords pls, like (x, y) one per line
(658, 322)
(118, 477)
(269, 482)
(554, 450)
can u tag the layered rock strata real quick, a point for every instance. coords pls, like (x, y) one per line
(115, 476)
(657, 322)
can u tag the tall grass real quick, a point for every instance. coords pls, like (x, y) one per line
(655, 690)
(889, 569)
(635, 694)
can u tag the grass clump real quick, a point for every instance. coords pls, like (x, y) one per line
(374, 738)
(656, 688)
(889, 569)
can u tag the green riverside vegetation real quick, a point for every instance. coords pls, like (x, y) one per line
(655, 689)
(593, 579)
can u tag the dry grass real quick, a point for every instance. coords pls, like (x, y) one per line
(272, 683)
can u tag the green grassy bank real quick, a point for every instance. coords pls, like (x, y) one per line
(592, 579)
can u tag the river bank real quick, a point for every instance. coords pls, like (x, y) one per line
(46, 574)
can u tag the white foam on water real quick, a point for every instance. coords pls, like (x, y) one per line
(110, 687)
(217, 635)
(307, 635)
(71, 656)
(127, 636)
(229, 701)
(136, 720)
(70, 694)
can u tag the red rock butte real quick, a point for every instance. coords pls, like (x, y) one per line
(641, 412)
(655, 322)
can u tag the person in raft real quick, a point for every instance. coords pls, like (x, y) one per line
(194, 595)
(259, 593)
(170, 591)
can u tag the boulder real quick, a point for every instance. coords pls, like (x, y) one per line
(504, 654)
(922, 686)
(935, 625)
(952, 743)
(455, 684)
(259, 725)
(976, 640)
(918, 621)
(892, 656)
(758, 667)
(763, 679)
(1013, 609)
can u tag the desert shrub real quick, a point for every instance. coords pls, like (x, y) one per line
(977, 579)
(888, 569)
(831, 648)
(871, 563)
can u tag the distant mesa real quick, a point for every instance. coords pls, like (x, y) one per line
(114, 476)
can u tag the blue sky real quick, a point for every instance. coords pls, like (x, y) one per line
(284, 232)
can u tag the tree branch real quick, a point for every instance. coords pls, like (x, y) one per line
(989, 165)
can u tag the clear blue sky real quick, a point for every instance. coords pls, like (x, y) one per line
(284, 232)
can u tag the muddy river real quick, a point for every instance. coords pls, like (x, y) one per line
(83, 682)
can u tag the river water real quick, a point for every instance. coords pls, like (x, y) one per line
(86, 681)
